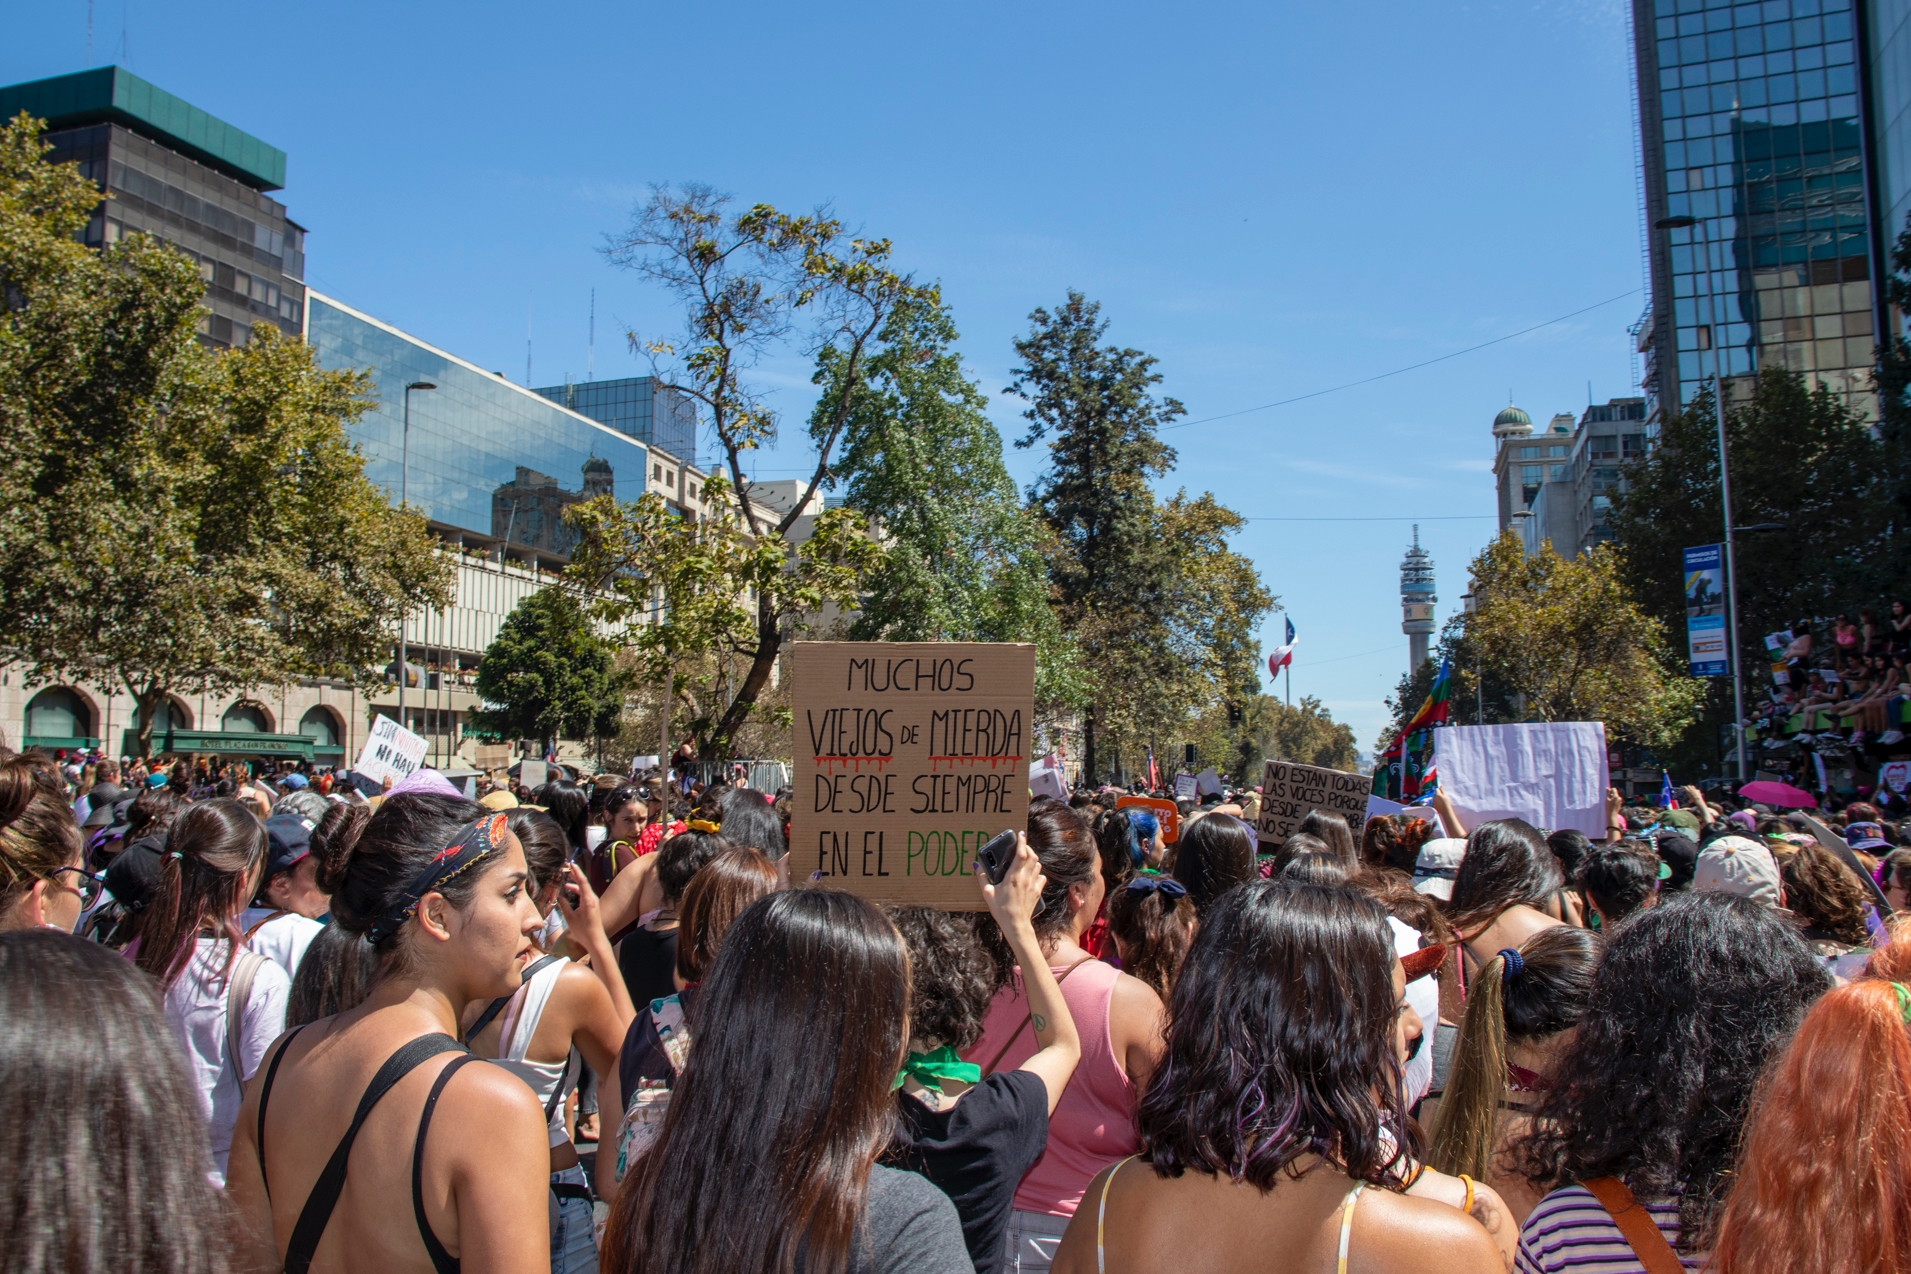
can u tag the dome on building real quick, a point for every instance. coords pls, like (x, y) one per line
(597, 464)
(1512, 423)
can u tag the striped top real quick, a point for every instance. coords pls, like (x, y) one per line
(1571, 1232)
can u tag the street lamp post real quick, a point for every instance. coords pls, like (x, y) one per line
(1725, 487)
(404, 501)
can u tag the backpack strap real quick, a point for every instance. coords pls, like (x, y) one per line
(496, 1006)
(441, 1261)
(1636, 1224)
(238, 994)
(317, 1211)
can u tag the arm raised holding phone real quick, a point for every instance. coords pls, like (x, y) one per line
(1014, 903)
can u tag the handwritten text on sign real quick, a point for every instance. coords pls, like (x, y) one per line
(909, 757)
(1290, 792)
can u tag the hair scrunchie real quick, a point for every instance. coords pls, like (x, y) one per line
(1167, 886)
(1514, 964)
(1904, 1001)
(702, 825)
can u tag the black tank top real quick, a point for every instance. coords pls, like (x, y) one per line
(648, 961)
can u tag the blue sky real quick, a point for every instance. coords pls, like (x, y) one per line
(1272, 199)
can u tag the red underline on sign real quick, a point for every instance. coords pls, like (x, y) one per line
(858, 761)
(934, 761)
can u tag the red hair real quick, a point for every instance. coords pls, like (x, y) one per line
(1823, 1182)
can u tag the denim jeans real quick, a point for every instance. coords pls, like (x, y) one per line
(1032, 1240)
(573, 1251)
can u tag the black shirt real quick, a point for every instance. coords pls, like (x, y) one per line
(648, 961)
(977, 1151)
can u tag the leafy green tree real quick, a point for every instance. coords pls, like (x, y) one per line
(176, 519)
(694, 594)
(923, 463)
(547, 675)
(1163, 612)
(751, 284)
(1272, 730)
(1574, 644)
(1893, 381)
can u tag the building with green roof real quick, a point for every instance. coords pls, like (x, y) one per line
(169, 169)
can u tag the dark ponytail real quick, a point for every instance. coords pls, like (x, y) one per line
(1061, 840)
(367, 862)
(213, 854)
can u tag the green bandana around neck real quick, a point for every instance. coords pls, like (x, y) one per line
(930, 1069)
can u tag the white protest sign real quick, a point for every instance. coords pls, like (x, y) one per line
(1184, 787)
(1045, 778)
(390, 752)
(1552, 774)
(1381, 807)
(533, 774)
(1290, 792)
(1207, 783)
(1895, 775)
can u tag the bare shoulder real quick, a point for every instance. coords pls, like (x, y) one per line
(1400, 1231)
(1135, 997)
(501, 1099)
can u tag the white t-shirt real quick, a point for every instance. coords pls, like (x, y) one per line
(282, 941)
(196, 1008)
(1423, 994)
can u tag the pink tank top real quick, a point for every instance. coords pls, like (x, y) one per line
(1094, 1124)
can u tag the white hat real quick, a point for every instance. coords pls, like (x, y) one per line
(1437, 866)
(1735, 865)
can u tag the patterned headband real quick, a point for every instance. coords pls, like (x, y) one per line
(475, 843)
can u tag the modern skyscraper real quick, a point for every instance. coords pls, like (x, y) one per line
(170, 170)
(1888, 79)
(658, 417)
(1416, 602)
(1753, 127)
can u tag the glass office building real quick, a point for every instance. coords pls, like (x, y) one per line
(1888, 63)
(172, 171)
(492, 464)
(636, 405)
(1752, 123)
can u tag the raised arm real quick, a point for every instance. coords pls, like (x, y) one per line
(587, 930)
(1013, 904)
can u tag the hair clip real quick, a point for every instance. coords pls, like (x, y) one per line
(174, 854)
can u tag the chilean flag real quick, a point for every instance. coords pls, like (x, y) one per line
(1283, 655)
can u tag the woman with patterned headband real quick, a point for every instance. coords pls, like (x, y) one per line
(438, 885)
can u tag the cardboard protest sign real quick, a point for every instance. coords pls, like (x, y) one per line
(1167, 813)
(1552, 774)
(390, 752)
(1290, 792)
(910, 756)
(1184, 787)
(1895, 775)
(533, 774)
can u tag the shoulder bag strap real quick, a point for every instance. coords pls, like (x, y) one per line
(265, 1095)
(1636, 1224)
(496, 1006)
(317, 1211)
(1004, 1050)
(239, 994)
(564, 1083)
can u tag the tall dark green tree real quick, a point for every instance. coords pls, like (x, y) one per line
(549, 675)
(1162, 610)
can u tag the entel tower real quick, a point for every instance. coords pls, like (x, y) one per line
(1416, 602)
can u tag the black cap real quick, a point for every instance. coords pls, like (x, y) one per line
(100, 802)
(290, 839)
(133, 875)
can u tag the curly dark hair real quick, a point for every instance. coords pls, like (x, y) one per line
(679, 858)
(1619, 878)
(951, 977)
(1394, 841)
(1693, 998)
(1824, 892)
(1280, 1041)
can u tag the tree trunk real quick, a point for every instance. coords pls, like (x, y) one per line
(769, 644)
(148, 701)
(1088, 747)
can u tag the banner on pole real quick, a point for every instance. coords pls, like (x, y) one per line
(1705, 634)
(910, 756)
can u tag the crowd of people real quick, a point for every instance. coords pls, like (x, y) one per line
(1837, 692)
(250, 1023)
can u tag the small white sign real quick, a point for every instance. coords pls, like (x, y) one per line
(1045, 778)
(1184, 787)
(533, 774)
(390, 752)
(1207, 783)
